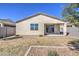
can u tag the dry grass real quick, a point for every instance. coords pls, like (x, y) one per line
(20, 45)
(43, 51)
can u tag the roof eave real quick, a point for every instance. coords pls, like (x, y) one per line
(37, 15)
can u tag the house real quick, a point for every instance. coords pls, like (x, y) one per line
(41, 24)
(7, 28)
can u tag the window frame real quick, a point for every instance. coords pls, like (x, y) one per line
(34, 26)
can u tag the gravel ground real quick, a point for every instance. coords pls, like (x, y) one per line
(18, 46)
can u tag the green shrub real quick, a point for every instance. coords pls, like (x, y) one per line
(54, 53)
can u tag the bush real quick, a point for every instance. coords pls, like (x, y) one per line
(54, 53)
(74, 44)
(71, 42)
(40, 35)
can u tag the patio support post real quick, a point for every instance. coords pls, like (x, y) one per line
(65, 29)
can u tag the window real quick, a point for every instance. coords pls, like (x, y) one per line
(34, 27)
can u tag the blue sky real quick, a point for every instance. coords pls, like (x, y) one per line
(21, 10)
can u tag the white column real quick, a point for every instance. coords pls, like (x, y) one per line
(65, 29)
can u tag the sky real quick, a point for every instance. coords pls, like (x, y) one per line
(18, 11)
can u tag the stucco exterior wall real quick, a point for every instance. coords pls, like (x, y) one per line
(23, 27)
(57, 28)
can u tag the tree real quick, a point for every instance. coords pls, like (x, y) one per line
(71, 13)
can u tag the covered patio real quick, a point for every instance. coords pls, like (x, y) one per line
(55, 29)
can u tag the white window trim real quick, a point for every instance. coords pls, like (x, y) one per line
(34, 26)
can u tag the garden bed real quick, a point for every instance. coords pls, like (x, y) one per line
(52, 51)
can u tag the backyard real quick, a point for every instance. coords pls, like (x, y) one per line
(52, 51)
(19, 46)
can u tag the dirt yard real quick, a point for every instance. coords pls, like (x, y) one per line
(18, 47)
(44, 51)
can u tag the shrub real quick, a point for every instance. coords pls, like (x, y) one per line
(74, 44)
(54, 53)
(40, 35)
(71, 42)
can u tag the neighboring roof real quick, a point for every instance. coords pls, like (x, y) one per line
(37, 15)
(7, 22)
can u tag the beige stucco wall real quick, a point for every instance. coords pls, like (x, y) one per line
(23, 27)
